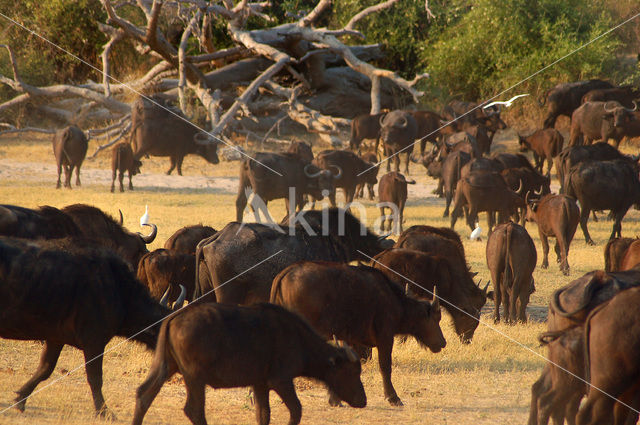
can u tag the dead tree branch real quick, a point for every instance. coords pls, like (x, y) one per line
(368, 11)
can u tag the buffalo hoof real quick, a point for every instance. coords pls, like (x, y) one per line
(105, 413)
(590, 242)
(544, 265)
(445, 214)
(112, 190)
(21, 403)
(395, 401)
(334, 401)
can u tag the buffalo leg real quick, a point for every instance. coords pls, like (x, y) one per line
(130, 183)
(385, 348)
(523, 300)
(48, 360)
(93, 367)
(194, 406)
(287, 393)
(497, 297)
(241, 202)
(584, 217)
(149, 389)
(617, 225)
(59, 174)
(113, 180)
(263, 410)
(179, 164)
(406, 163)
(538, 388)
(448, 195)
(78, 176)
(545, 249)
(67, 176)
(120, 179)
(372, 196)
(382, 218)
(173, 165)
(396, 162)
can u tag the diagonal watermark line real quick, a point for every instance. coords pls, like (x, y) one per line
(173, 313)
(506, 90)
(135, 91)
(493, 328)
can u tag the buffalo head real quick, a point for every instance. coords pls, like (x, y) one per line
(322, 180)
(398, 127)
(207, 147)
(618, 113)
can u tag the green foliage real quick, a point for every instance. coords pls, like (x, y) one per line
(496, 44)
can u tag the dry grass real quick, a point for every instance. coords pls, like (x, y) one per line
(487, 382)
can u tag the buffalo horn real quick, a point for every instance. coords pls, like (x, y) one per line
(351, 355)
(121, 218)
(164, 301)
(151, 237)
(526, 197)
(385, 236)
(180, 301)
(635, 107)
(606, 106)
(519, 189)
(436, 301)
(484, 290)
(538, 192)
(406, 288)
(309, 174)
(405, 122)
(337, 176)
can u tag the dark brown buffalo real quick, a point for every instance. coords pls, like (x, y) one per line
(423, 230)
(163, 270)
(122, 160)
(604, 185)
(392, 191)
(512, 160)
(360, 305)
(365, 127)
(429, 130)
(398, 131)
(186, 239)
(483, 140)
(528, 180)
(481, 164)
(555, 392)
(163, 131)
(371, 158)
(233, 253)
(262, 346)
(294, 175)
(485, 191)
(420, 273)
(573, 155)
(612, 348)
(70, 148)
(353, 171)
(468, 114)
(302, 150)
(629, 129)
(621, 254)
(546, 144)
(43, 223)
(75, 296)
(558, 392)
(588, 121)
(511, 259)
(461, 141)
(565, 98)
(451, 172)
(624, 95)
(99, 226)
(557, 216)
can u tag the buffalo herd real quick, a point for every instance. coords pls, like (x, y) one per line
(282, 300)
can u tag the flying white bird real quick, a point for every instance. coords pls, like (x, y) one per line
(475, 235)
(145, 217)
(506, 103)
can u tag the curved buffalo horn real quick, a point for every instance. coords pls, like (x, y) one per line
(202, 138)
(152, 236)
(606, 106)
(121, 218)
(180, 301)
(405, 122)
(351, 355)
(635, 107)
(436, 301)
(311, 175)
(526, 197)
(385, 236)
(337, 176)
(519, 189)
(406, 288)
(164, 301)
(381, 120)
(538, 192)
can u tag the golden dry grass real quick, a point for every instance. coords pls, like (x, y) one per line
(487, 382)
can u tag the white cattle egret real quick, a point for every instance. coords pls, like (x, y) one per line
(475, 235)
(506, 103)
(145, 217)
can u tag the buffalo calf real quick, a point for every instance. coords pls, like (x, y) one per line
(511, 258)
(263, 346)
(360, 305)
(546, 144)
(70, 148)
(392, 189)
(122, 160)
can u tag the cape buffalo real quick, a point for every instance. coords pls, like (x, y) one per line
(621, 254)
(398, 131)
(353, 171)
(630, 129)
(624, 95)
(365, 127)
(565, 98)
(462, 298)
(186, 239)
(373, 160)
(530, 182)
(612, 347)
(511, 160)
(588, 121)
(263, 346)
(70, 148)
(511, 258)
(360, 305)
(451, 172)
(557, 216)
(122, 160)
(233, 253)
(164, 131)
(294, 175)
(428, 128)
(302, 150)
(446, 233)
(489, 117)
(75, 296)
(43, 223)
(546, 144)
(604, 185)
(393, 190)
